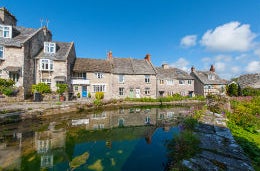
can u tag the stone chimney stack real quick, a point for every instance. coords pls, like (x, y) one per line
(192, 69)
(148, 57)
(212, 68)
(109, 55)
(165, 66)
(6, 17)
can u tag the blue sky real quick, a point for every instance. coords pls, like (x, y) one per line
(182, 33)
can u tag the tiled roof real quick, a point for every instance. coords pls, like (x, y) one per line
(249, 80)
(20, 36)
(203, 77)
(92, 65)
(172, 73)
(62, 51)
(132, 66)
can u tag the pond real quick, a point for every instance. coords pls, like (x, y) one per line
(105, 140)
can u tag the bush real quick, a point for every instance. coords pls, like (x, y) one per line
(41, 88)
(6, 83)
(232, 89)
(99, 95)
(248, 91)
(61, 88)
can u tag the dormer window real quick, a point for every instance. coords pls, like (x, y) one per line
(49, 47)
(211, 77)
(5, 31)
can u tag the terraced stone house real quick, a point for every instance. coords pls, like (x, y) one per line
(172, 81)
(18, 48)
(208, 82)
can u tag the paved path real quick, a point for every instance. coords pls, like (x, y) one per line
(219, 149)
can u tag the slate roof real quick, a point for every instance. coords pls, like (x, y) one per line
(62, 52)
(92, 65)
(203, 77)
(249, 80)
(172, 73)
(132, 66)
(20, 36)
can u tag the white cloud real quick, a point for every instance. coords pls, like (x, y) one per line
(206, 60)
(253, 67)
(229, 37)
(235, 69)
(242, 57)
(189, 41)
(181, 63)
(220, 66)
(222, 58)
(257, 52)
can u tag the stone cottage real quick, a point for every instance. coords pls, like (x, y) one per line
(54, 64)
(173, 81)
(249, 80)
(91, 76)
(208, 82)
(18, 47)
(134, 78)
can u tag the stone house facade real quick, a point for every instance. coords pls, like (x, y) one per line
(18, 47)
(208, 82)
(91, 76)
(54, 64)
(173, 81)
(132, 78)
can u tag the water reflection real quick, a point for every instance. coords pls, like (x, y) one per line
(100, 140)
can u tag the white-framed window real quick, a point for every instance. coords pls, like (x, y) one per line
(1, 52)
(14, 76)
(147, 78)
(46, 64)
(161, 82)
(211, 77)
(49, 47)
(46, 81)
(121, 78)
(99, 88)
(80, 75)
(76, 88)
(181, 82)
(169, 82)
(189, 81)
(5, 31)
(99, 75)
(147, 91)
(121, 91)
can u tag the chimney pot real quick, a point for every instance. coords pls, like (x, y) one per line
(148, 57)
(212, 68)
(109, 55)
(192, 69)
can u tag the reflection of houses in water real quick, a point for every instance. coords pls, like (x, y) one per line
(46, 141)
(10, 152)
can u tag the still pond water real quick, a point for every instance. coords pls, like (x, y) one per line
(123, 139)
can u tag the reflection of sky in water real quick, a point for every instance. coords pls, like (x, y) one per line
(127, 155)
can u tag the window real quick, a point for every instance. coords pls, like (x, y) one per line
(181, 82)
(169, 82)
(76, 88)
(147, 91)
(161, 82)
(99, 75)
(1, 52)
(211, 77)
(121, 91)
(99, 88)
(121, 78)
(14, 76)
(46, 64)
(49, 47)
(60, 82)
(147, 78)
(46, 81)
(80, 75)
(5, 31)
(189, 81)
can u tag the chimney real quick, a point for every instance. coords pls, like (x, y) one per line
(212, 68)
(148, 57)
(192, 69)
(165, 66)
(109, 55)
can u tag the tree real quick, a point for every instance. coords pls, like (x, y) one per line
(41, 88)
(232, 89)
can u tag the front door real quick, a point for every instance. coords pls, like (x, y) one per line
(137, 93)
(131, 93)
(84, 91)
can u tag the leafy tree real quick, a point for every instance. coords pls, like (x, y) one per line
(232, 89)
(41, 88)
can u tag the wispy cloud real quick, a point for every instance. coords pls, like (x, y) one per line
(229, 37)
(189, 41)
(253, 67)
(181, 63)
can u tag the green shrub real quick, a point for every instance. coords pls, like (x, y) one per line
(7, 91)
(248, 91)
(6, 82)
(99, 95)
(61, 88)
(97, 102)
(41, 88)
